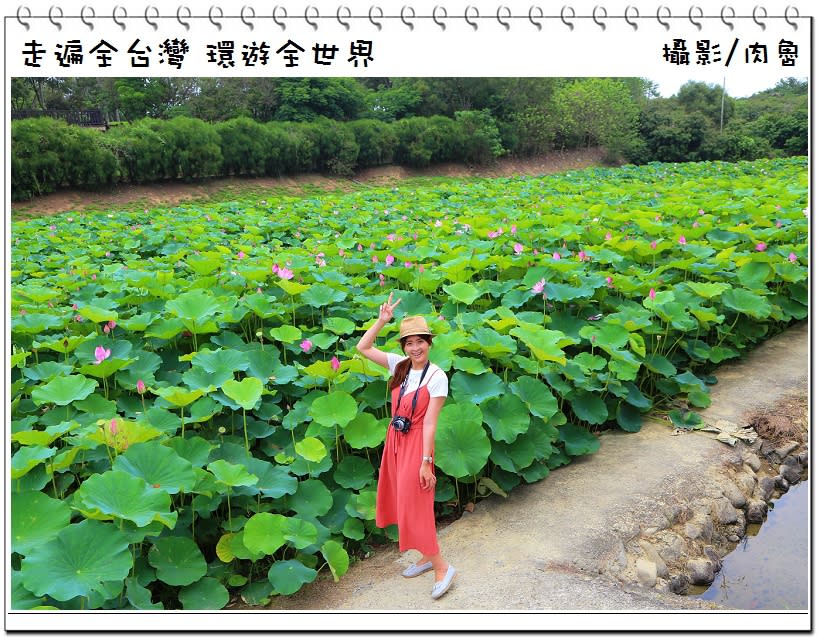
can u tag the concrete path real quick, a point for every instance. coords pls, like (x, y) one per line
(549, 545)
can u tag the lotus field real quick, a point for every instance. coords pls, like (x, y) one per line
(191, 422)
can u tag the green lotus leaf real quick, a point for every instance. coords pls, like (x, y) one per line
(743, 301)
(165, 328)
(339, 325)
(158, 465)
(336, 408)
(290, 287)
(607, 336)
(489, 342)
(27, 458)
(194, 306)
(178, 560)
(78, 562)
(507, 417)
(660, 364)
(708, 290)
(336, 557)
(578, 441)
(320, 369)
(628, 417)
(98, 314)
(127, 433)
(205, 594)
(34, 323)
(637, 344)
(754, 275)
(565, 292)
(139, 596)
(35, 519)
(470, 365)
(588, 407)
(544, 344)
(475, 388)
(462, 292)
(265, 533)
(312, 499)
(413, 303)
(354, 529)
(321, 295)
(462, 445)
(365, 431)
(136, 323)
(222, 359)
(300, 533)
(537, 396)
(178, 395)
(362, 505)
(245, 393)
(688, 381)
(311, 449)
(37, 293)
(106, 368)
(354, 472)
(273, 480)
(47, 371)
(231, 474)
(288, 576)
(119, 494)
(635, 397)
(590, 362)
(63, 390)
(286, 334)
(687, 420)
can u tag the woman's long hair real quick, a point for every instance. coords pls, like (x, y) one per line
(402, 369)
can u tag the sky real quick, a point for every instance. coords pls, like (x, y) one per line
(737, 87)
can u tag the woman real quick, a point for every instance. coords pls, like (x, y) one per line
(406, 482)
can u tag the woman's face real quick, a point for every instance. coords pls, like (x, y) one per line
(417, 349)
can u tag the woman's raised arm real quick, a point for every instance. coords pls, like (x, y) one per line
(366, 346)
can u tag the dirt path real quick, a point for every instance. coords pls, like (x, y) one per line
(174, 193)
(571, 541)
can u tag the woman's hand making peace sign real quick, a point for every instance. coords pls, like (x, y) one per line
(387, 309)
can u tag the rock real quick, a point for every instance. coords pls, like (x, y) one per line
(724, 511)
(746, 482)
(803, 458)
(767, 449)
(671, 548)
(791, 473)
(756, 511)
(679, 584)
(662, 585)
(782, 484)
(653, 555)
(646, 572)
(677, 514)
(699, 528)
(764, 489)
(713, 556)
(733, 538)
(785, 449)
(701, 571)
(752, 460)
(734, 494)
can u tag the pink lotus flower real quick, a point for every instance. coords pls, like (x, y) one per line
(111, 324)
(518, 248)
(701, 211)
(341, 252)
(93, 276)
(306, 345)
(113, 427)
(74, 306)
(778, 224)
(107, 253)
(285, 274)
(441, 318)
(101, 354)
(653, 245)
(438, 223)
(493, 234)
(608, 236)
(414, 236)
(258, 290)
(556, 255)
(391, 237)
(275, 268)
(792, 257)
(695, 225)
(53, 228)
(335, 364)
(140, 386)
(421, 269)
(78, 318)
(652, 294)
(240, 255)
(106, 329)
(682, 239)
(581, 256)
(389, 260)
(360, 247)
(609, 281)
(538, 286)
(514, 229)
(407, 264)
(761, 246)
(536, 252)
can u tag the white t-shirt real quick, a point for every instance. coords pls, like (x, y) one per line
(435, 379)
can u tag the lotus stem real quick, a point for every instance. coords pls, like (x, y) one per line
(182, 416)
(244, 421)
(229, 514)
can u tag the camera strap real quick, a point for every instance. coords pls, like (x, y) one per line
(403, 386)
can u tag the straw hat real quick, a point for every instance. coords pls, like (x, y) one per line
(415, 325)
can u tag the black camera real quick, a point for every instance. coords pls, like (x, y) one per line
(401, 424)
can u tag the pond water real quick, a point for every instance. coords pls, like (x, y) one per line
(769, 569)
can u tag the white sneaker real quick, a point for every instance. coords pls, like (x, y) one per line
(441, 587)
(414, 570)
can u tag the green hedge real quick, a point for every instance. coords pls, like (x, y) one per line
(49, 154)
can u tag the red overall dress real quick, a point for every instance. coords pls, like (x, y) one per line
(400, 498)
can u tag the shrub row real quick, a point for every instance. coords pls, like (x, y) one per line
(49, 154)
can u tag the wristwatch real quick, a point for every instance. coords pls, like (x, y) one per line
(427, 459)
